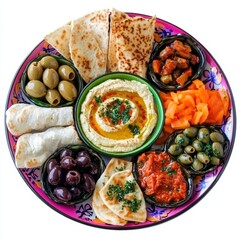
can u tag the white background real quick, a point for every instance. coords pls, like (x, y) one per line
(24, 24)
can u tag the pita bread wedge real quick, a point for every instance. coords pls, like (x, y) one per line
(134, 42)
(59, 39)
(89, 43)
(99, 207)
(33, 149)
(24, 118)
(123, 196)
(115, 17)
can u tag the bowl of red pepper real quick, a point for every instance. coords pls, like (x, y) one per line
(164, 182)
(175, 62)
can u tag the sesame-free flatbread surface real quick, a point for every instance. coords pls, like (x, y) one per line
(99, 207)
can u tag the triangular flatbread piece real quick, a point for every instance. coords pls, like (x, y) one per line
(134, 44)
(115, 17)
(123, 196)
(99, 207)
(89, 43)
(59, 39)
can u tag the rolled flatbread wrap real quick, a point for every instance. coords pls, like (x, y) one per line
(24, 118)
(33, 149)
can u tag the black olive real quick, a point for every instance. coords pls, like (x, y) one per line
(72, 177)
(66, 152)
(89, 183)
(75, 191)
(68, 162)
(54, 177)
(83, 160)
(62, 193)
(51, 164)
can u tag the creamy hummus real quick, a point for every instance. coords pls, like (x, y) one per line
(118, 115)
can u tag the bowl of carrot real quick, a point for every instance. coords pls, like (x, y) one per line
(175, 62)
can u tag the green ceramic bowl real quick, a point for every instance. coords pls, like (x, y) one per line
(42, 102)
(129, 77)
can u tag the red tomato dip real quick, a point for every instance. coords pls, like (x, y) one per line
(161, 178)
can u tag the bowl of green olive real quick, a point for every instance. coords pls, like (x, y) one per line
(51, 81)
(199, 149)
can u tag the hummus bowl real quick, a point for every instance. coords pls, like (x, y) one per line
(119, 114)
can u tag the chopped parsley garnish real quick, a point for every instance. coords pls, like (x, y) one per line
(134, 129)
(170, 171)
(115, 191)
(121, 168)
(98, 99)
(118, 111)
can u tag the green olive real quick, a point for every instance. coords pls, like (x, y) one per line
(49, 62)
(203, 157)
(217, 137)
(190, 131)
(50, 78)
(36, 88)
(34, 71)
(175, 149)
(215, 161)
(185, 159)
(198, 145)
(204, 135)
(53, 97)
(189, 149)
(197, 165)
(66, 73)
(217, 149)
(182, 140)
(67, 90)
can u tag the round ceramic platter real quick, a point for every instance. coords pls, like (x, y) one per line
(213, 78)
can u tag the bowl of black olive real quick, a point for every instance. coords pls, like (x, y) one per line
(199, 149)
(51, 81)
(70, 174)
(175, 62)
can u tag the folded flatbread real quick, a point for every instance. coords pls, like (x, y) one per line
(131, 42)
(33, 149)
(99, 207)
(115, 18)
(59, 39)
(132, 207)
(24, 118)
(89, 44)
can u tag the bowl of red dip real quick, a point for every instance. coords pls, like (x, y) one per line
(164, 182)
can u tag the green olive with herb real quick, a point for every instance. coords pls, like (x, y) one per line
(34, 71)
(217, 149)
(215, 161)
(198, 145)
(189, 149)
(203, 157)
(53, 97)
(50, 78)
(204, 135)
(190, 132)
(36, 88)
(182, 140)
(67, 90)
(217, 137)
(175, 149)
(49, 62)
(185, 159)
(197, 165)
(66, 72)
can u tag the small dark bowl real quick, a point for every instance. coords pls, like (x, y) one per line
(206, 167)
(49, 189)
(197, 69)
(42, 102)
(151, 199)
